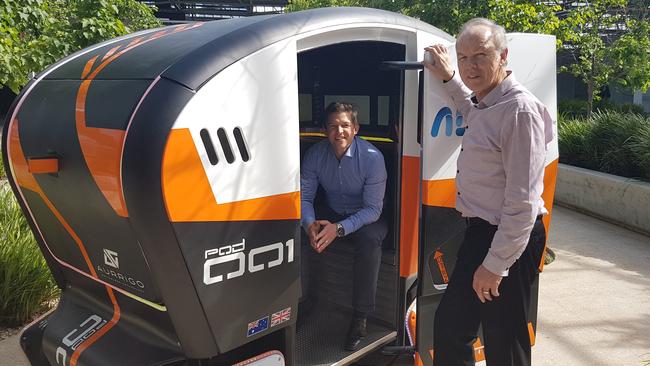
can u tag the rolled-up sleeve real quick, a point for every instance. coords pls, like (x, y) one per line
(458, 94)
(374, 189)
(523, 153)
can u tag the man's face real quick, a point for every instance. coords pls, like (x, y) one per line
(479, 61)
(341, 132)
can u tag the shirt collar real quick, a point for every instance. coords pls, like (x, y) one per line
(350, 152)
(500, 90)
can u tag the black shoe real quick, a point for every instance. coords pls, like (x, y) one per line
(356, 333)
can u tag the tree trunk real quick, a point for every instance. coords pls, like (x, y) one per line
(590, 85)
(590, 95)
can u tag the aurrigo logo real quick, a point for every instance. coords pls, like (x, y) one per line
(111, 259)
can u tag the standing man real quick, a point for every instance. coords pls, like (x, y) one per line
(353, 176)
(500, 181)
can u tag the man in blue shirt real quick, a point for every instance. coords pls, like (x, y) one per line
(353, 175)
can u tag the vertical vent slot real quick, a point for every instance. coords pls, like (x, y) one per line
(209, 147)
(241, 144)
(225, 145)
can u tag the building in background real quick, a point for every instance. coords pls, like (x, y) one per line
(171, 12)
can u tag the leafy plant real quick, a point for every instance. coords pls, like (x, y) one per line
(26, 285)
(3, 174)
(36, 33)
(574, 142)
(640, 147)
(606, 46)
(525, 16)
(574, 108)
(611, 142)
(610, 138)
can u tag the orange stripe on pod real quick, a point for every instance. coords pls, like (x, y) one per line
(18, 161)
(44, 165)
(102, 147)
(188, 194)
(550, 177)
(88, 67)
(439, 193)
(111, 323)
(26, 180)
(409, 223)
(531, 334)
(412, 324)
(479, 350)
(418, 360)
(134, 42)
(109, 53)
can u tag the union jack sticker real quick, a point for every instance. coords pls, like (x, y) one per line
(280, 317)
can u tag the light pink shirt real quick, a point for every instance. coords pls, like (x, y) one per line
(500, 174)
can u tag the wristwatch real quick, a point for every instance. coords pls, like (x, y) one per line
(340, 231)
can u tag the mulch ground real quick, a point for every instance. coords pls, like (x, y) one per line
(8, 332)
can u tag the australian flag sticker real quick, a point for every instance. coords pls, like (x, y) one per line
(257, 326)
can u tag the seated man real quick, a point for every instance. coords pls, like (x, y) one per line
(353, 176)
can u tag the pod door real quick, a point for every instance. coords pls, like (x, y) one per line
(532, 59)
(350, 72)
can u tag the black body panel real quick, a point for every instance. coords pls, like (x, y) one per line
(442, 230)
(98, 227)
(133, 336)
(110, 103)
(256, 280)
(141, 179)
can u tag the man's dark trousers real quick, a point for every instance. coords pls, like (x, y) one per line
(367, 258)
(504, 319)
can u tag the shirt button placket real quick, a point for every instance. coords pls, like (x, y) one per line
(340, 183)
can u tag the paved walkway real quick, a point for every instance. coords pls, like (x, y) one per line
(594, 307)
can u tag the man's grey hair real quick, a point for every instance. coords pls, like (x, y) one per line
(498, 32)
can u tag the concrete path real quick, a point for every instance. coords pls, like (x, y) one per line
(11, 354)
(594, 307)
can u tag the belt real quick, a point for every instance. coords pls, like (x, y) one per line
(477, 221)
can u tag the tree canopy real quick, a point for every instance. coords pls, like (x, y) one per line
(606, 46)
(607, 41)
(36, 33)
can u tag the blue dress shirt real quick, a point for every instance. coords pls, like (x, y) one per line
(354, 187)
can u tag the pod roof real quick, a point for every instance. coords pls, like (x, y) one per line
(190, 54)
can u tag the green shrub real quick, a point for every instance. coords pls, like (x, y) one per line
(573, 141)
(640, 147)
(610, 138)
(3, 175)
(610, 142)
(575, 108)
(26, 284)
(606, 105)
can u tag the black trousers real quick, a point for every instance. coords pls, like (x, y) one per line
(504, 319)
(367, 258)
